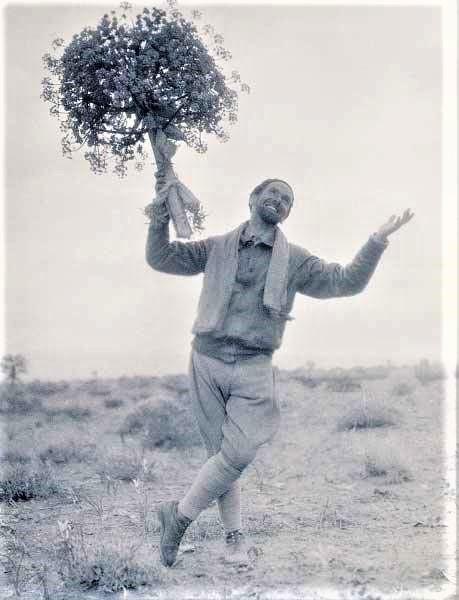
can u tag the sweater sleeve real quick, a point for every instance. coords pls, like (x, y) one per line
(176, 258)
(319, 279)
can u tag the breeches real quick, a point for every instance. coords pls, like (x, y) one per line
(235, 405)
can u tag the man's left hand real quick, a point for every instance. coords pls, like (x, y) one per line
(394, 223)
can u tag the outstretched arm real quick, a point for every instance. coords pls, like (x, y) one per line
(319, 279)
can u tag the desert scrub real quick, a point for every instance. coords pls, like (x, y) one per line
(125, 467)
(24, 482)
(426, 372)
(109, 567)
(15, 399)
(66, 452)
(113, 403)
(166, 425)
(46, 388)
(75, 412)
(16, 456)
(176, 383)
(343, 384)
(384, 462)
(402, 389)
(366, 417)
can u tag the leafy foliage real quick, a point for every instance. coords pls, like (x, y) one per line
(12, 365)
(114, 83)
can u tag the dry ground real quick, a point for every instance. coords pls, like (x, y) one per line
(330, 511)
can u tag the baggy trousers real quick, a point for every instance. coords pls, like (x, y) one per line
(236, 408)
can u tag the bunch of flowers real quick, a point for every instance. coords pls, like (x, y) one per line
(120, 83)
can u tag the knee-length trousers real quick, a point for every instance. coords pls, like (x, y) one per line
(235, 405)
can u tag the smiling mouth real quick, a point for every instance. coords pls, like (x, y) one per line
(271, 208)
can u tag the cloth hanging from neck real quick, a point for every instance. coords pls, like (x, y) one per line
(220, 275)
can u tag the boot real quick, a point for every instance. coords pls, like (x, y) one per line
(236, 549)
(173, 526)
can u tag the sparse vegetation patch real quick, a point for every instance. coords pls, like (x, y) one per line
(21, 482)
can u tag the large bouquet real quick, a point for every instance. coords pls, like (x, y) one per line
(135, 78)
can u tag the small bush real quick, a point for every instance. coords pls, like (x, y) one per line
(137, 382)
(167, 425)
(113, 403)
(384, 463)
(15, 399)
(402, 389)
(124, 467)
(63, 453)
(20, 483)
(365, 417)
(77, 413)
(16, 456)
(306, 380)
(176, 383)
(47, 388)
(343, 384)
(107, 568)
(426, 372)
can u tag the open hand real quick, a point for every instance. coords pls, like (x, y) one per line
(394, 223)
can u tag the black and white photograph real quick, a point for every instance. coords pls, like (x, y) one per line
(229, 332)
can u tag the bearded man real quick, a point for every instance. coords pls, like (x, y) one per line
(251, 277)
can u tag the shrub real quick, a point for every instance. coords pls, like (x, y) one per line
(176, 383)
(165, 425)
(113, 403)
(343, 384)
(124, 467)
(15, 399)
(402, 389)
(63, 453)
(47, 388)
(426, 372)
(384, 463)
(108, 568)
(365, 417)
(73, 412)
(16, 456)
(20, 482)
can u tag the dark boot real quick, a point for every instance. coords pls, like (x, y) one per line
(173, 526)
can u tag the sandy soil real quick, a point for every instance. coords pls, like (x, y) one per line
(320, 524)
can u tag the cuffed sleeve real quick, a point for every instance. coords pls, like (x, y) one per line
(176, 258)
(319, 279)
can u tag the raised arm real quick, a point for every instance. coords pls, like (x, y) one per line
(176, 258)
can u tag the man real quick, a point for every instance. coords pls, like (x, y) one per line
(251, 276)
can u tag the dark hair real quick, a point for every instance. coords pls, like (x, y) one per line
(261, 186)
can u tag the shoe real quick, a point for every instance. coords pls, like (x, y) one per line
(236, 549)
(172, 528)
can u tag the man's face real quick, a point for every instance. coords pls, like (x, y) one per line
(273, 203)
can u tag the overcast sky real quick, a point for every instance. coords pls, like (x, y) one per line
(345, 105)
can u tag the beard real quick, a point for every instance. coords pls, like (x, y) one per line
(269, 215)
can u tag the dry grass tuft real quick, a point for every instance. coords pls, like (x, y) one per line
(383, 462)
(109, 566)
(24, 482)
(369, 414)
(65, 452)
(125, 467)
